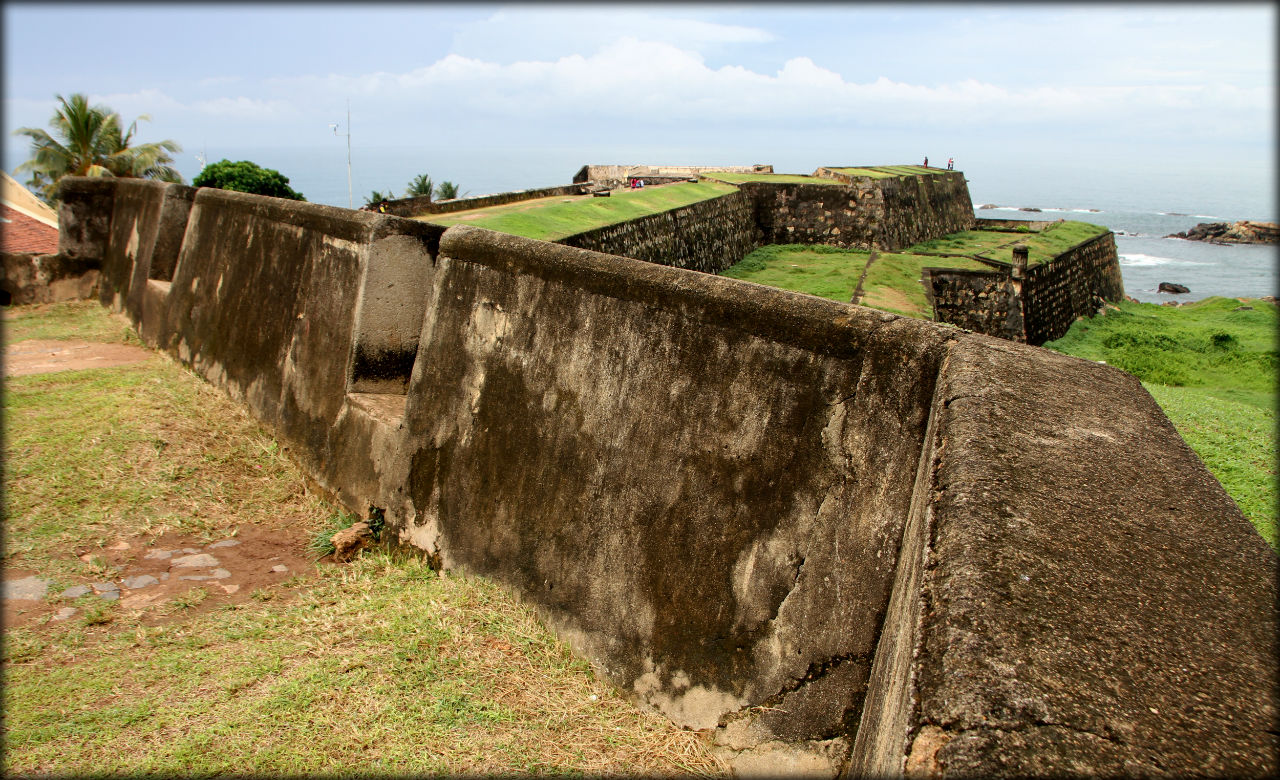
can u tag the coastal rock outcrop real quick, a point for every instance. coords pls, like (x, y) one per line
(1242, 232)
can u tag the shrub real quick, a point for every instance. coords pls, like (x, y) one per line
(245, 176)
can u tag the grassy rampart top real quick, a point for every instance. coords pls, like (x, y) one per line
(889, 171)
(769, 178)
(550, 219)
(1042, 244)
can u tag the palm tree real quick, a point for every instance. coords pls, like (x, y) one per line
(420, 186)
(447, 190)
(88, 141)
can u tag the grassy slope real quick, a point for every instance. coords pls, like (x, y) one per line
(380, 666)
(1213, 371)
(892, 283)
(558, 218)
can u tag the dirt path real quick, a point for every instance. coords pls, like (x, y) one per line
(42, 356)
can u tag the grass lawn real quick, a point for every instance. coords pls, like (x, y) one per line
(966, 242)
(1055, 239)
(893, 282)
(381, 666)
(825, 271)
(890, 171)
(1212, 369)
(550, 219)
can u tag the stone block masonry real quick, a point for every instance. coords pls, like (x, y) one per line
(834, 535)
(707, 236)
(1038, 307)
(890, 213)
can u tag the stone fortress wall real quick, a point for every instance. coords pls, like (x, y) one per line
(834, 535)
(888, 214)
(1032, 305)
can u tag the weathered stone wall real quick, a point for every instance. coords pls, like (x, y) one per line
(1039, 308)
(987, 302)
(416, 207)
(889, 213)
(851, 531)
(617, 175)
(32, 278)
(1073, 285)
(708, 236)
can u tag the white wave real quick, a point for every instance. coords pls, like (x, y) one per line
(1192, 216)
(1138, 259)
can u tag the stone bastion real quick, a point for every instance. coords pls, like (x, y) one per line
(847, 541)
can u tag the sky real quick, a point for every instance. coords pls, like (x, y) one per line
(1026, 86)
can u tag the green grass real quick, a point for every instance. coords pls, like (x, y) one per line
(966, 242)
(768, 178)
(825, 271)
(95, 455)
(890, 171)
(1054, 239)
(1213, 371)
(551, 219)
(379, 667)
(70, 321)
(893, 282)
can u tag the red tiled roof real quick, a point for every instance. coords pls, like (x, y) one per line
(20, 233)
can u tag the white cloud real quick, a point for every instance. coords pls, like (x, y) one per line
(540, 33)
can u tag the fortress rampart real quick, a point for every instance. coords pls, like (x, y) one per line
(1041, 306)
(846, 540)
(708, 236)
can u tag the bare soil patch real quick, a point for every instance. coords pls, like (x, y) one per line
(251, 562)
(42, 356)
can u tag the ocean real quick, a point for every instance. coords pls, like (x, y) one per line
(1140, 204)
(1147, 258)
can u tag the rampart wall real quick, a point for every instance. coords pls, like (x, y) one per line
(1073, 285)
(1038, 308)
(415, 207)
(708, 236)
(835, 535)
(617, 175)
(890, 213)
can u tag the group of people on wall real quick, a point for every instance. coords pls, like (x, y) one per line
(951, 163)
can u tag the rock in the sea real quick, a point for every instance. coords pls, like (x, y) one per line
(1242, 232)
(1028, 208)
(987, 206)
(1170, 287)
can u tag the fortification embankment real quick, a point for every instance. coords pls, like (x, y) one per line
(890, 213)
(415, 207)
(808, 524)
(1072, 285)
(708, 236)
(1038, 307)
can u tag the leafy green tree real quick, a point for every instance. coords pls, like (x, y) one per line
(245, 176)
(421, 186)
(447, 190)
(90, 140)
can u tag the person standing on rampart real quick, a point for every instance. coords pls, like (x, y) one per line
(926, 162)
(951, 163)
